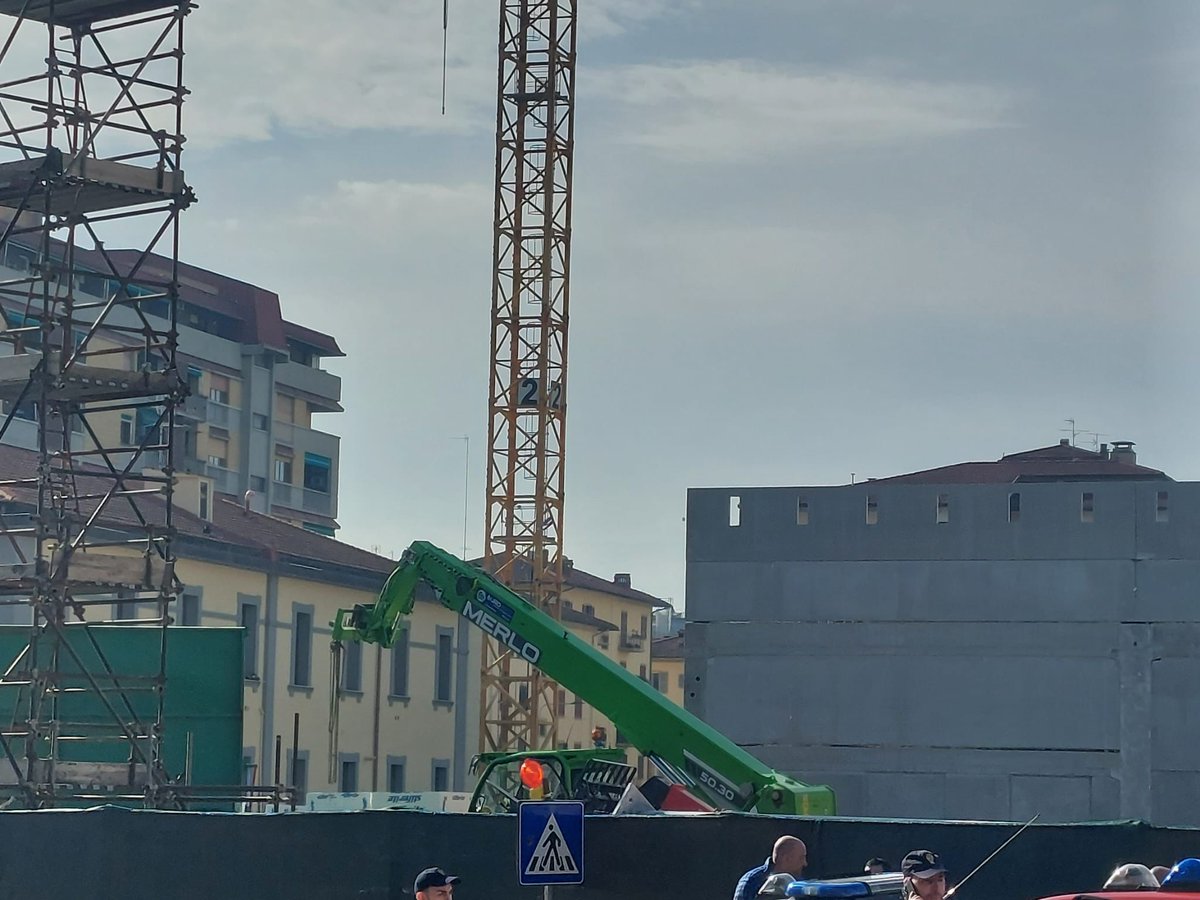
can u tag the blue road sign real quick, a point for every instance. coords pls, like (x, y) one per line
(550, 842)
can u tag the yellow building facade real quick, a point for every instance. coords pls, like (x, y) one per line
(666, 656)
(406, 717)
(616, 619)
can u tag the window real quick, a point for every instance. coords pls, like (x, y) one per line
(189, 608)
(348, 771)
(589, 610)
(1087, 507)
(218, 452)
(258, 484)
(126, 429)
(658, 682)
(681, 681)
(872, 509)
(204, 499)
(562, 703)
(943, 508)
(249, 769)
(148, 425)
(523, 695)
(248, 619)
(352, 666)
(735, 511)
(802, 511)
(316, 472)
(1014, 507)
(443, 685)
(193, 381)
(645, 626)
(283, 470)
(285, 408)
(1161, 510)
(258, 421)
(400, 665)
(624, 626)
(305, 356)
(218, 388)
(441, 774)
(642, 671)
(395, 774)
(302, 624)
(578, 707)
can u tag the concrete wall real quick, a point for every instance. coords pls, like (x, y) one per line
(979, 667)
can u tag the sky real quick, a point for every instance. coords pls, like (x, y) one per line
(810, 239)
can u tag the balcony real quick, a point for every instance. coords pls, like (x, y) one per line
(221, 414)
(632, 641)
(293, 496)
(317, 383)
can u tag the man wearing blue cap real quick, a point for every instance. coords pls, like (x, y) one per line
(434, 884)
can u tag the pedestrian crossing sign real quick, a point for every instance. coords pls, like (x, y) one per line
(550, 842)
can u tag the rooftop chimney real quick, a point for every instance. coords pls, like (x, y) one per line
(622, 578)
(1064, 442)
(1122, 452)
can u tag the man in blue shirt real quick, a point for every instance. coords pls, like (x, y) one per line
(788, 855)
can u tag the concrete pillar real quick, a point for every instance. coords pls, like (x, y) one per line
(1133, 656)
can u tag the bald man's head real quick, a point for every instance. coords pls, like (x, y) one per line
(789, 855)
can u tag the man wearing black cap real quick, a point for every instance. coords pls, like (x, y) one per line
(924, 876)
(434, 884)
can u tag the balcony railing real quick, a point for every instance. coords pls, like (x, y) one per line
(631, 641)
(220, 414)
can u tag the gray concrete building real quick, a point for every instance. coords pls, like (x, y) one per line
(985, 640)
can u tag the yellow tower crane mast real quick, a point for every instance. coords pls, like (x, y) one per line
(527, 411)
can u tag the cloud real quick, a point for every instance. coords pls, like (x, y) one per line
(733, 110)
(318, 66)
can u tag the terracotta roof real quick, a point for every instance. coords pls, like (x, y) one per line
(323, 342)
(1060, 462)
(669, 647)
(570, 614)
(255, 309)
(577, 578)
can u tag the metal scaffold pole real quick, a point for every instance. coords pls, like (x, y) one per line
(90, 152)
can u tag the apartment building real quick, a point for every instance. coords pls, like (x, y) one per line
(986, 639)
(666, 674)
(257, 386)
(616, 619)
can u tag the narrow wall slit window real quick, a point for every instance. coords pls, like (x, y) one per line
(872, 509)
(735, 511)
(1162, 512)
(1014, 507)
(1087, 507)
(802, 511)
(943, 508)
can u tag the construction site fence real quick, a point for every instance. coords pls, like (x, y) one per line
(377, 854)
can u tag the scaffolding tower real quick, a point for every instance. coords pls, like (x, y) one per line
(91, 97)
(528, 385)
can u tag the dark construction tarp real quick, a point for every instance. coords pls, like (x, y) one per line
(143, 855)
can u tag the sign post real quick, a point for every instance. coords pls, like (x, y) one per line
(550, 844)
